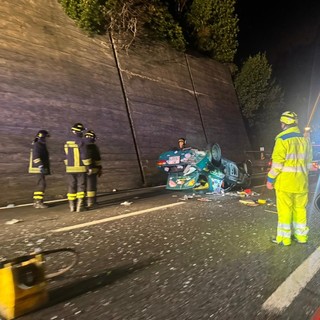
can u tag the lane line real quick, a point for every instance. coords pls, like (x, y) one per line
(99, 195)
(125, 215)
(291, 287)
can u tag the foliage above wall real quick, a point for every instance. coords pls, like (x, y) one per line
(209, 26)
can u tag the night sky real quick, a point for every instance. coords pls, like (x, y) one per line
(289, 33)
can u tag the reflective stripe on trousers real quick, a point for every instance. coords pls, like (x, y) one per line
(76, 185)
(38, 195)
(92, 185)
(291, 209)
(41, 185)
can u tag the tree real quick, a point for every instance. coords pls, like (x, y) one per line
(251, 84)
(266, 121)
(214, 28)
(260, 97)
(163, 26)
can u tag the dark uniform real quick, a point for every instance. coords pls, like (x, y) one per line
(77, 163)
(93, 153)
(39, 165)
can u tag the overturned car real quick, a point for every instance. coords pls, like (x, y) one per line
(191, 168)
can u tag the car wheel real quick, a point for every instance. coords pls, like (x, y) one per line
(215, 153)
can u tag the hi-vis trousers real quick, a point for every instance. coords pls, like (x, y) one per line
(292, 212)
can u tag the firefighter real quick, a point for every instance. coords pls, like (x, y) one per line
(291, 159)
(39, 164)
(94, 154)
(77, 165)
(182, 143)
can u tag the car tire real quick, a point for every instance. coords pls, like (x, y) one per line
(215, 153)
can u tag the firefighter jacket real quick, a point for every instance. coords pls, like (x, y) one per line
(291, 161)
(39, 158)
(93, 153)
(76, 160)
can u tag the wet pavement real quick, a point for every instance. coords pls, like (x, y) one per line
(167, 255)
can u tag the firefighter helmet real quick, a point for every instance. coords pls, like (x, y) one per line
(42, 134)
(289, 117)
(78, 127)
(90, 135)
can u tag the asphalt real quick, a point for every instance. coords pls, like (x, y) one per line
(164, 256)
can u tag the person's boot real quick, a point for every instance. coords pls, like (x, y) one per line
(38, 204)
(72, 205)
(80, 205)
(90, 202)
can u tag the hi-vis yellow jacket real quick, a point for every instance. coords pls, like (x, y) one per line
(291, 161)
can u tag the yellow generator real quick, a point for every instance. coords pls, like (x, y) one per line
(22, 285)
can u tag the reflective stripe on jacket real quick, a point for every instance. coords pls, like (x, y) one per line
(39, 156)
(76, 160)
(291, 158)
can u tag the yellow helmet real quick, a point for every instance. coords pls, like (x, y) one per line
(289, 117)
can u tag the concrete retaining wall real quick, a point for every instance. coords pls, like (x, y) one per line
(53, 75)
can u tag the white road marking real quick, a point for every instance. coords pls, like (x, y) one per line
(66, 199)
(122, 216)
(292, 286)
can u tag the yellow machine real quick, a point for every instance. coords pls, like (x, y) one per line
(22, 286)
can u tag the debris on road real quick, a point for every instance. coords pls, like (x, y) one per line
(126, 203)
(247, 192)
(249, 203)
(204, 199)
(186, 197)
(253, 202)
(13, 221)
(271, 211)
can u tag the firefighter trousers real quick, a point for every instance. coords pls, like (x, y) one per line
(92, 186)
(292, 213)
(40, 188)
(76, 186)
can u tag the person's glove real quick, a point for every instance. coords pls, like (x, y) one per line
(44, 170)
(269, 185)
(89, 172)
